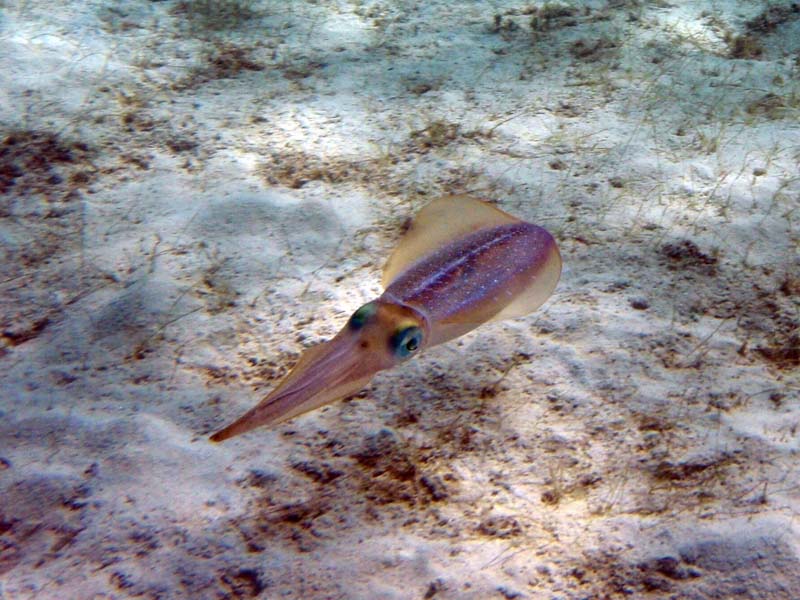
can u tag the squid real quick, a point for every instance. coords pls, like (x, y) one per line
(462, 263)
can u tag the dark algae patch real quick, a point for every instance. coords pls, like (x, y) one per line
(773, 17)
(42, 162)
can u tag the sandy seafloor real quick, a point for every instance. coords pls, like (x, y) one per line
(194, 192)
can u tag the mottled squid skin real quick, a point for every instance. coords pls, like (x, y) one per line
(472, 279)
(462, 263)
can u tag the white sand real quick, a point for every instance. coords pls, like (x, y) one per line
(193, 207)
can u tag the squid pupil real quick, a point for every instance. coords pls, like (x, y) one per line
(406, 341)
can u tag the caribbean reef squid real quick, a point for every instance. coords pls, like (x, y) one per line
(461, 263)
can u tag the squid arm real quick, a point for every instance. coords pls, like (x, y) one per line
(462, 263)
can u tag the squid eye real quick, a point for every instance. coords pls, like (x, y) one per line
(362, 315)
(406, 341)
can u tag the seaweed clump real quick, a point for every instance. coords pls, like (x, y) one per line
(552, 15)
(226, 61)
(216, 15)
(773, 17)
(685, 254)
(296, 169)
(783, 350)
(772, 106)
(41, 161)
(744, 46)
(747, 44)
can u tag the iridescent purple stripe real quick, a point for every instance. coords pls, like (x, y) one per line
(483, 270)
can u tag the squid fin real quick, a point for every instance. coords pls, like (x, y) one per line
(536, 292)
(439, 223)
